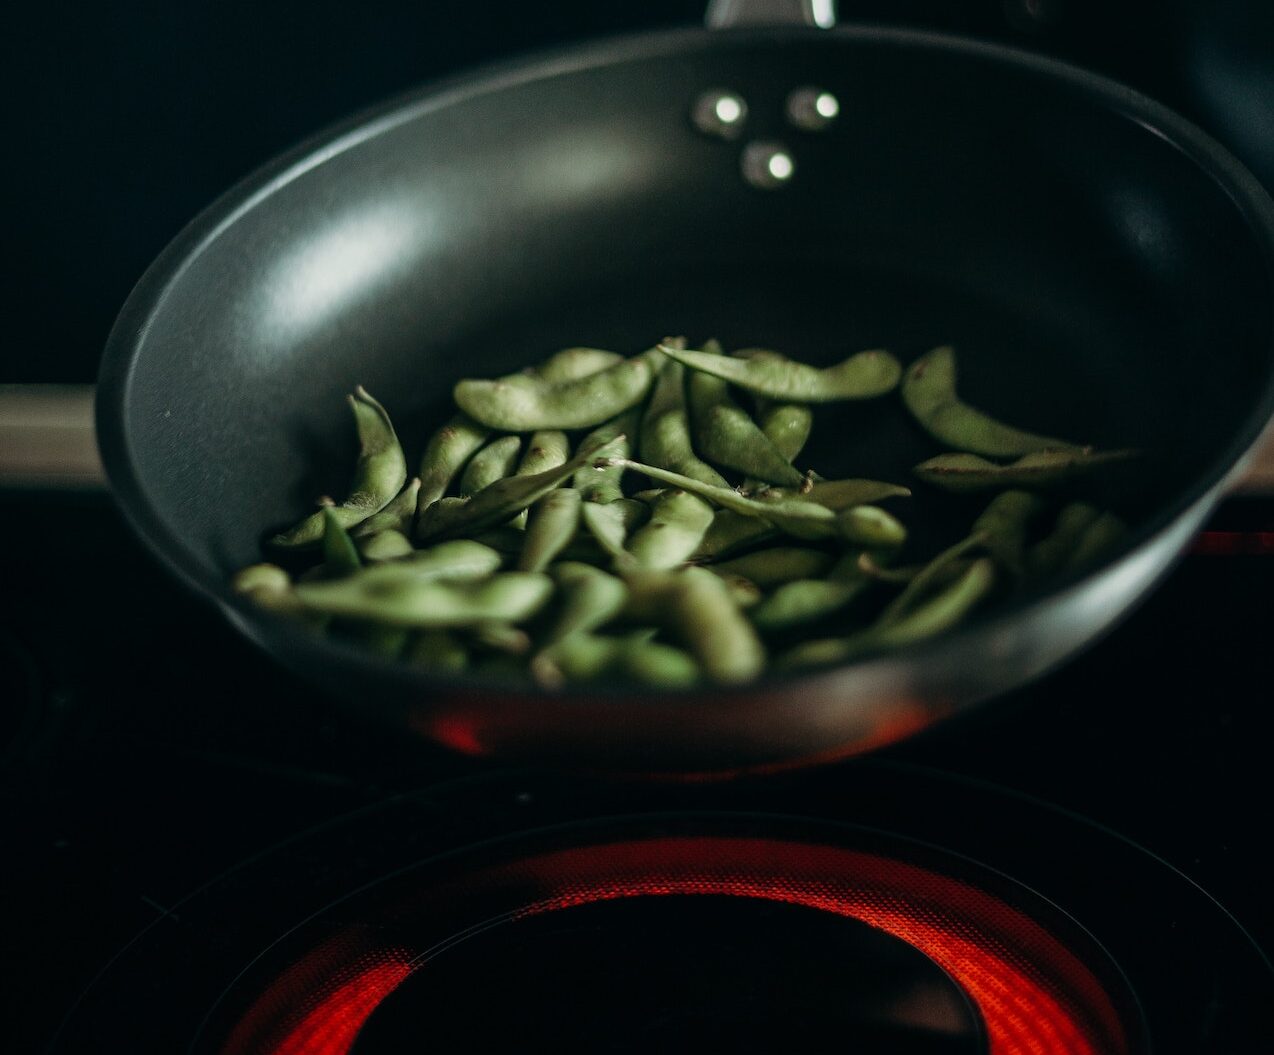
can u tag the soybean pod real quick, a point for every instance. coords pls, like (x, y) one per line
(861, 376)
(379, 474)
(929, 392)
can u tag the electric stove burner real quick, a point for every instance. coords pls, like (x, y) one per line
(905, 910)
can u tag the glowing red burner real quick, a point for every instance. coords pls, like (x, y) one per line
(1034, 995)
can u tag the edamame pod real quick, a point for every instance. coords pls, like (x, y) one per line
(731, 532)
(926, 579)
(384, 545)
(546, 449)
(1051, 553)
(1099, 536)
(570, 364)
(725, 434)
(590, 598)
(861, 376)
(339, 555)
(522, 403)
(705, 618)
(665, 429)
(676, 527)
(551, 526)
(610, 525)
(462, 560)
(588, 657)
(969, 472)
(446, 453)
(399, 515)
(1003, 525)
(493, 462)
(378, 477)
(807, 520)
(870, 526)
(270, 587)
(404, 601)
(603, 485)
(498, 636)
(769, 568)
(805, 601)
(929, 392)
(942, 611)
(501, 501)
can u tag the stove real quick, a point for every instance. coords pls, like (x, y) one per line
(202, 855)
(206, 856)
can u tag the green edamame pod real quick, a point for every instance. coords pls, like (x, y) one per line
(510, 596)
(270, 587)
(665, 429)
(731, 532)
(805, 601)
(437, 650)
(397, 516)
(1051, 553)
(769, 568)
(926, 579)
(1098, 537)
(603, 485)
(590, 598)
(702, 614)
(493, 462)
(378, 477)
(786, 425)
(589, 657)
(501, 501)
(551, 526)
(725, 434)
(807, 520)
(445, 454)
(929, 392)
(384, 545)
(546, 449)
(497, 636)
(676, 527)
(1003, 526)
(462, 560)
(870, 526)
(522, 403)
(743, 591)
(969, 472)
(861, 376)
(657, 664)
(570, 364)
(611, 524)
(339, 555)
(940, 612)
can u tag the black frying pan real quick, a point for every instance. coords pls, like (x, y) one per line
(1104, 269)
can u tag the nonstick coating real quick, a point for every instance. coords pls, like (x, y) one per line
(1102, 268)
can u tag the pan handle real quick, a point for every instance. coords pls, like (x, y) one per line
(47, 438)
(731, 14)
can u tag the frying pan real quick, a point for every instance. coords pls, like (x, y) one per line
(1103, 267)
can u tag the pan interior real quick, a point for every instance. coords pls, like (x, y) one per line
(1096, 282)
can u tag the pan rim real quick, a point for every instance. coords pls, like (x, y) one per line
(146, 301)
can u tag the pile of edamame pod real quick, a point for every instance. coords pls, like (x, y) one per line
(647, 520)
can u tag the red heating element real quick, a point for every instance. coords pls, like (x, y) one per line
(1034, 995)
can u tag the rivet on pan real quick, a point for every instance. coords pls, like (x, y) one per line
(720, 113)
(812, 109)
(767, 165)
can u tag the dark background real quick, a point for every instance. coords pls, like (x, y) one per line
(126, 119)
